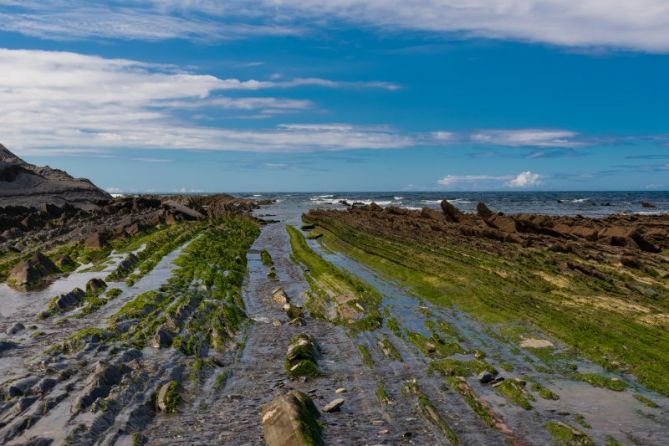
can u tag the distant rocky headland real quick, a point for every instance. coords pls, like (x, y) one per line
(24, 184)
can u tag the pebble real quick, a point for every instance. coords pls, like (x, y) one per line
(340, 390)
(334, 405)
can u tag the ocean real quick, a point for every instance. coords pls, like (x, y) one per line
(590, 204)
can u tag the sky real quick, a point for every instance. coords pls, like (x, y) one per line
(340, 95)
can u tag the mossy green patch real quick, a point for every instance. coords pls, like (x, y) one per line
(454, 367)
(565, 435)
(615, 384)
(514, 392)
(354, 303)
(365, 355)
(583, 311)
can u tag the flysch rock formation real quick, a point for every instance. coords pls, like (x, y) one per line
(24, 184)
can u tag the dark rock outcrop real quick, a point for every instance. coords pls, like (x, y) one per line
(70, 300)
(483, 211)
(99, 384)
(451, 213)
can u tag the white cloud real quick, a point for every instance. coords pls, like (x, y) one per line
(527, 138)
(451, 180)
(523, 179)
(442, 136)
(635, 24)
(130, 20)
(73, 102)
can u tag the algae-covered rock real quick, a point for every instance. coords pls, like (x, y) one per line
(68, 300)
(162, 338)
(95, 286)
(29, 273)
(291, 420)
(301, 356)
(168, 398)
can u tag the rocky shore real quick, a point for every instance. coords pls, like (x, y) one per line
(191, 320)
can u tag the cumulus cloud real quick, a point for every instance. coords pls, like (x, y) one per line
(634, 24)
(523, 179)
(74, 102)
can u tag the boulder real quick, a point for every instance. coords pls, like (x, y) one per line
(483, 211)
(161, 339)
(66, 263)
(132, 229)
(451, 213)
(6, 345)
(170, 219)
(291, 420)
(647, 205)
(29, 273)
(280, 296)
(301, 356)
(96, 240)
(21, 387)
(70, 300)
(168, 397)
(16, 328)
(293, 311)
(95, 286)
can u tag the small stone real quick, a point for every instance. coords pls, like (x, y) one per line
(340, 390)
(485, 377)
(334, 405)
(431, 348)
(384, 432)
(378, 422)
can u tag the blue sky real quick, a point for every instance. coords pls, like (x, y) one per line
(267, 95)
